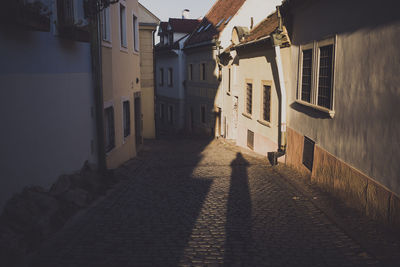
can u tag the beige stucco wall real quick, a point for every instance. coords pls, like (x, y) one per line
(147, 80)
(120, 73)
(257, 65)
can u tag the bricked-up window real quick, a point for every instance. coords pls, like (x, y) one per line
(126, 118)
(122, 25)
(266, 103)
(325, 76)
(161, 81)
(203, 114)
(249, 98)
(306, 76)
(170, 77)
(109, 129)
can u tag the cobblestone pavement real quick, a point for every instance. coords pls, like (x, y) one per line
(194, 202)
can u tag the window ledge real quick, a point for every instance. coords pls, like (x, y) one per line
(247, 116)
(265, 123)
(106, 44)
(136, 52)
(331, 113)
(123, 49)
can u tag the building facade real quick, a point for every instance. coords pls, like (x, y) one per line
(121, 81)
(343, 94)
(171, 74)
(47, 96)
(210, 110)
(148, 23)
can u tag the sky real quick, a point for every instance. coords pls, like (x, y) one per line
(165, 9)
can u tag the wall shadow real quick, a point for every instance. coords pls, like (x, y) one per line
(238, 241)
(148, 221)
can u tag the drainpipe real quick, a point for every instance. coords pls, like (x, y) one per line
(277, 38)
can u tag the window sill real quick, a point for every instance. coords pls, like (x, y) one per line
(265, 123)
(331, 113)
(136, 52)
(106, 44)
(123, 49)
(247, 116)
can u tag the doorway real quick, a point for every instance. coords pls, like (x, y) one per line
(138, 120)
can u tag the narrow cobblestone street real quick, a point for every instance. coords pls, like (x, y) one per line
(198, 202)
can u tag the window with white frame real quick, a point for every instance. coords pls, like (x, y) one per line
(106, 24)
(126, 118)
(135, 33)
(122, 25)
(170, 77)
(316, 73)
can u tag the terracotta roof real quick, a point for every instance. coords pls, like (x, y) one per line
(183, 25)
(215, 20)
(263, 29)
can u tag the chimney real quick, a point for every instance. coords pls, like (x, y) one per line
(186, 14)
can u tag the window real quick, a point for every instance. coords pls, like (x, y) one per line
(306, 76)
(106, 24)
(229, 79)
(122, 25)
(162, 39)
(203, 114)
(171, 38)
(249, 98)
(161, 77)
(170, 77)
(126, 118)
(266, 106)
(135, 34)
(190, 72)
(170, 114)
(109, 129)
(203, 71)
(316, 75)
(250, 139)
(162, 112)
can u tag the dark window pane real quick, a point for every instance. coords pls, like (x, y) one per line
(306, 76)
(267, 103)
(325, 76)
(127, 119)
(249, 98)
